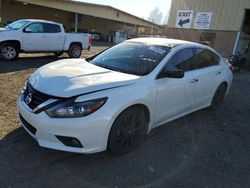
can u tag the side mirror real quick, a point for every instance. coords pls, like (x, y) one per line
(171, 73)
(27, 30)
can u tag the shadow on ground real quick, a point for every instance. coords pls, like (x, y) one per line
(27, 61)
(24, 63)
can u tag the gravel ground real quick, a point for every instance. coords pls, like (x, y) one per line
(203, 149)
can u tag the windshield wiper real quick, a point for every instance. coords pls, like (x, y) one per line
(107, 67)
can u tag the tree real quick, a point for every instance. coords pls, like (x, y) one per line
(165, 20)
(155, 16)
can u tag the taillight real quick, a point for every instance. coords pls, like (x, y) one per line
(232, 68)
(90, 40)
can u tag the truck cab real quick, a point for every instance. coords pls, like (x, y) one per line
(29, 36)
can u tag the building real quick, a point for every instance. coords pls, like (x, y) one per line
(79, 17)
(223, 24)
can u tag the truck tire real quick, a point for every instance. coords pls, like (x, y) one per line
(75, 51)
(9, 51)
(58, 53)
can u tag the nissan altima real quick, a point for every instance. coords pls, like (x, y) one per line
(113, 99)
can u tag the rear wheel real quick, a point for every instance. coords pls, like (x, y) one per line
(128, 131)
(9, 51)
(218, 97)
(75, 51)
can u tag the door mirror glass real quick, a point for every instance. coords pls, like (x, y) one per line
(27, 30)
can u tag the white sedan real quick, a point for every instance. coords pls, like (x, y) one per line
(113, 99)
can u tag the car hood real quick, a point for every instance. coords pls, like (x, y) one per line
(67, 78)
(4, 29)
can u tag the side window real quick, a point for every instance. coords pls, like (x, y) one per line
(183, 60)
(36, 28)
(51, 28)
(206, 58)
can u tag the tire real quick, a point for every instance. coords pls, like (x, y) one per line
(9, 51)
(127, 131)
(218, 97)
(58, 53)
(75, 51)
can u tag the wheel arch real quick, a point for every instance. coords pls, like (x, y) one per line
(75, 43)
(136, 105)
(222, 83)
(143, 107)
(17, 43)
(225, 84)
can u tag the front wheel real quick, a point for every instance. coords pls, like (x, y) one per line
(75, 51)
(9, 51)
(128, 130)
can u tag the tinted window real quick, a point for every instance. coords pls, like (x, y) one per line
(184, 60)
(206, 58)
(51, 28)
(131, 57)
(36, 28)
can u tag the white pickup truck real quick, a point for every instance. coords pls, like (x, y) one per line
(29, 36)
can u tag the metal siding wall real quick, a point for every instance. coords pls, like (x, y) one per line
(227, 14)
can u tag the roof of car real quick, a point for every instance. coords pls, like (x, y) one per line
(164, 41)
(38, 20)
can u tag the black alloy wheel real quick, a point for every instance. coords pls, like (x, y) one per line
(128, 131)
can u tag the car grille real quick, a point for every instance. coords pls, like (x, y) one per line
(36, 97)
(27, 125)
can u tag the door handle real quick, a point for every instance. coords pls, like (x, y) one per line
(217, 73)
(194, 80)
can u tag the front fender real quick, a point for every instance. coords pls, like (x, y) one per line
(122, 98)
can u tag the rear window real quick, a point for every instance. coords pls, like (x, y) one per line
(206, 58)
(184, 60)
(51, 28)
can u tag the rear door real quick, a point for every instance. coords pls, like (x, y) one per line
(206, 76)
(55, 36)
(174, 95)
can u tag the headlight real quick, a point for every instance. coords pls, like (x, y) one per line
(71, 109)
(25, 85)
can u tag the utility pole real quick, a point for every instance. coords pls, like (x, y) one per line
(76, 22)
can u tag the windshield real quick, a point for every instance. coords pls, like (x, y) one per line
(17, 24)
(131, 57)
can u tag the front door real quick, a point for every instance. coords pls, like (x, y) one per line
(174, 95)
(34, 38)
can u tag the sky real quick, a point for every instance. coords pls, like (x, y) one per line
(140, 8)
